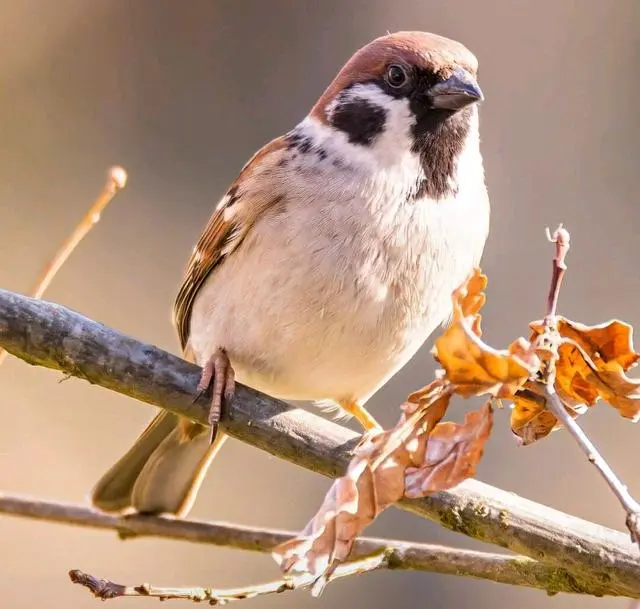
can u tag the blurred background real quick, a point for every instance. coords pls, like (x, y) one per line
(181, 94)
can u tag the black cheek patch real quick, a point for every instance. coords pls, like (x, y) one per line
(361, 120)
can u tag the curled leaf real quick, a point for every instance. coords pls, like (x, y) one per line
(591, 365)
(592, 362)
(469, 299)
(375, 479)
(452, 453)
(620, 391)
(611, 341)
(468, 362)
(530, 419)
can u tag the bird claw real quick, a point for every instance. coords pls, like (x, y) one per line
(218, 374)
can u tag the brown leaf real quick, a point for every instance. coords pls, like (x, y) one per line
(452, 454)
(374, 480)
(469, 298)
(609, 346)
(617, 389)
(469, 363)
(580, 383)
(530, 419)
(611, 341)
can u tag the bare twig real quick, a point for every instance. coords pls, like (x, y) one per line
(105, 589)
(401, 555)
(630, 505)
(561, 239)
(116, 180)
(76, 345)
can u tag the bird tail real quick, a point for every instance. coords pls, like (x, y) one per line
(162, 472)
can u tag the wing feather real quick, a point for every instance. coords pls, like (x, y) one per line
(255, 190)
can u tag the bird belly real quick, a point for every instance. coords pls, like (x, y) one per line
(340, 321)
(288, 337)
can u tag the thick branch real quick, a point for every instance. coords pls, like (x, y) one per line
(53, 336)
(515, 570)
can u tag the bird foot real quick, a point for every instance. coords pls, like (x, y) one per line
(218, 374)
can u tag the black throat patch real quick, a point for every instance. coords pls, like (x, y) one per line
(438, 135)
(439, 138)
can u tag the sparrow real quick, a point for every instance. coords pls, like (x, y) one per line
(330, 259)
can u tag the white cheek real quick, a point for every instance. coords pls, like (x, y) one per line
(396, 139)
(384, 170)
(388, 147)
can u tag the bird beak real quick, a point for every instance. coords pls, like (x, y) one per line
(456, 92)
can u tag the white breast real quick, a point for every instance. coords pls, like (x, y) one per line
(331, 298)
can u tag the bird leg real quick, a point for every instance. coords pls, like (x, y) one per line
(218, 374)
(363, 416)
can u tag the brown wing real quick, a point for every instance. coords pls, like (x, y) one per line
(256, 189)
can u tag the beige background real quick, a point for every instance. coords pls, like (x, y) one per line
(182, 93)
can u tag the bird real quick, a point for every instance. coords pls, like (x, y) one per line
(330, 259)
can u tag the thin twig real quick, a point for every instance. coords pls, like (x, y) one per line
(561, 239)
(401, 555)
(630, 505)
(116, 180)
(53, 336)
(105, 589)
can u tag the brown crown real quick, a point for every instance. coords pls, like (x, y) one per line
(422, 50)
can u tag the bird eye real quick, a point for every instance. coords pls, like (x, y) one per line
(396, 76)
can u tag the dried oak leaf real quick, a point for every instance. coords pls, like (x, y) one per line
(419, 456)
(609, 346)
(530, 418)
(579, 385)
(375, 479)
(468, 362)
(452, 453)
